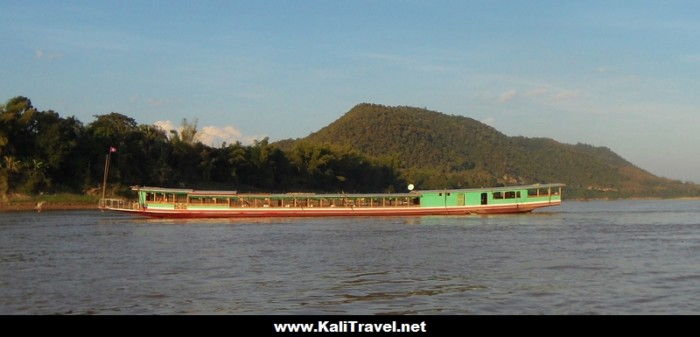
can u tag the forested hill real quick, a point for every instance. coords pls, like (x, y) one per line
(434, 150)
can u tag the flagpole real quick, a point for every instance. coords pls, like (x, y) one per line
(104, 179)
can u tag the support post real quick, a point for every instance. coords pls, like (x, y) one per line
(104, 178)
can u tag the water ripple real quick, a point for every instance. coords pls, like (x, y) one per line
(617, 257)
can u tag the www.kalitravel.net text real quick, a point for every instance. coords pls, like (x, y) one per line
(350, 326)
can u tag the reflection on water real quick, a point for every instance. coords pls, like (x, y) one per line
(631, 257)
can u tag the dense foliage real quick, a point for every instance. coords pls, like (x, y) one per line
(434, 150)
(41, 151)
(372, 148)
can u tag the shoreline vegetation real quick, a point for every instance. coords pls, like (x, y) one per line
(372, 148)
(68, 201)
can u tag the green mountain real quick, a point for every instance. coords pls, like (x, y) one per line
(433, 150)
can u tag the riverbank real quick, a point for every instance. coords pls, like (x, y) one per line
(630, 198)
(53, 202)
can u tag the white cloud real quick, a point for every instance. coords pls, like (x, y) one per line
(566, 95)
(213, 135)
(690, 58)
(395, 59)
(539, 91)
(40, 54)
(166, 126)
(507, 96)
(548, 94)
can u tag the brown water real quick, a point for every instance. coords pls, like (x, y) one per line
(603, 257)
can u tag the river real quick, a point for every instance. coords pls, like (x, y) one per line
(597, 257)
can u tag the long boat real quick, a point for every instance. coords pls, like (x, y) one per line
(188, 203)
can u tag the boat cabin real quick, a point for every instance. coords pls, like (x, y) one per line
(168, 198)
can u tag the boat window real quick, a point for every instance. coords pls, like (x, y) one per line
(533, 192)
(510, 195)
(517, 194)
(498, 195)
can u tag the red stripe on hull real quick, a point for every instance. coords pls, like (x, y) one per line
(417, 211)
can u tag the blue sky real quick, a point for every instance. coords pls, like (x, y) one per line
(621, 74)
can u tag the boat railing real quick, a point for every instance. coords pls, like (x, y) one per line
(119, 204)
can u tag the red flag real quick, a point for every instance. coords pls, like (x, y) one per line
(112, 149)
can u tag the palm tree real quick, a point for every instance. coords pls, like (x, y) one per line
(37, 176)
(188, 132)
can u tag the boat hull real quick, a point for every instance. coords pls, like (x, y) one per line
(340, 211)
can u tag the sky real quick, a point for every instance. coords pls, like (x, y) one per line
(620, 74)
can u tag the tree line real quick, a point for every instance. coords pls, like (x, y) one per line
(372, 148)
(42, 152)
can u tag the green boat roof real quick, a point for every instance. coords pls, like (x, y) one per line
(497, 189)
